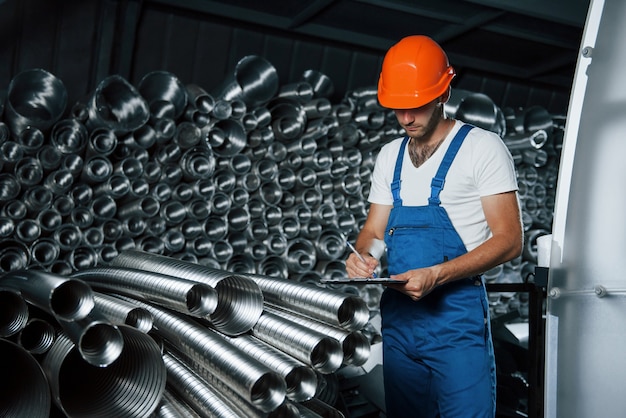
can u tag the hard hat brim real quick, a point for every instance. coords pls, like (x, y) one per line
(416, 99)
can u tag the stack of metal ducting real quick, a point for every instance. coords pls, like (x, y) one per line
(183, 338)
(256, 177)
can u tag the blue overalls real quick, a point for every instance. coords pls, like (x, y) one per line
(438, 356)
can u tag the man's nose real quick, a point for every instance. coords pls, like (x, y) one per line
(404, 116)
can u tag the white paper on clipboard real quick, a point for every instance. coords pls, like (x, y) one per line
(364, 280)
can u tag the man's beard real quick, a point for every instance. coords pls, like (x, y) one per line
(430, 126)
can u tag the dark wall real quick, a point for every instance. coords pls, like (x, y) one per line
(83, 41)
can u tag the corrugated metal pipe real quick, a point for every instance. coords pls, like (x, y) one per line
(80, 389)
(197, 392)
(35, 98)
(121, 312)
(182, 295)
(300, 378)
(356, 347)
(245, 375)
(172, 406)
(14, 312)
(239, 299)
(65, 298)
(341, 309)
(320, 351)
(37, 336)
(98, 340)
(24, 386)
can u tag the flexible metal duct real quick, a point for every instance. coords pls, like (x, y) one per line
(317, 408)
(34, 98)
(232, 137)
(238, 404)
(288, 119)
(121, 312)
(318, 350)
(24, 386)
(67, 299)
(30, 140)
(117, 105)
(37, 336)
(165, 94)
(5, 133)
(239, 299)
(182, 295)
(356, 347)
(479, 110)
(323, 86)
(195, 391)
(255, 81)
(301, 380)
(199, 99)
(13, 312)
(517, 142)
(246, 376)
(346, 311)
(28, 171)
(171, 406)
(80, 389)
(69, 136)
(98, 340)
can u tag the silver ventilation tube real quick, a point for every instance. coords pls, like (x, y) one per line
(121, 312)
(300, 378)
(318, 350)
(80, 389)
(344, 310)
(244, 375)
(66, 299)
(14, 312)
(24, 386)
(185, 296)
(240, 301)
(355, 345)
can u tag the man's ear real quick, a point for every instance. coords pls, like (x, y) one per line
(445, 96)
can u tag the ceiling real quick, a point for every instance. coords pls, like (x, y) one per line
(534, 42)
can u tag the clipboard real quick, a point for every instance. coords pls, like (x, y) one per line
(364, 280)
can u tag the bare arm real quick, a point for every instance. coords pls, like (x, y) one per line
(503, 217)
(374, 228)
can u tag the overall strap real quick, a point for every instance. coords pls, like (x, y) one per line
(436, 185)
(395, 184)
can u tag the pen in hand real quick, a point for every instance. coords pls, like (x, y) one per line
(374, 276)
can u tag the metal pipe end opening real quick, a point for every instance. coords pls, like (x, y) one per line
(239, 306)
(13, 312)
(140, 319)
(37, 336)
(101, 344)
(202, 300)
(353, 314)
(81, 390)
(268, 392)
(327, 356)
(301, 383)
(72, 300)
(356, 349)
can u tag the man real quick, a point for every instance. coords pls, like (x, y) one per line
(444, 200)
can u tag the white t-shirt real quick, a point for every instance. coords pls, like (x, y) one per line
(482, 167)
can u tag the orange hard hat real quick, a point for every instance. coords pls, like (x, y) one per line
(415, 72)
